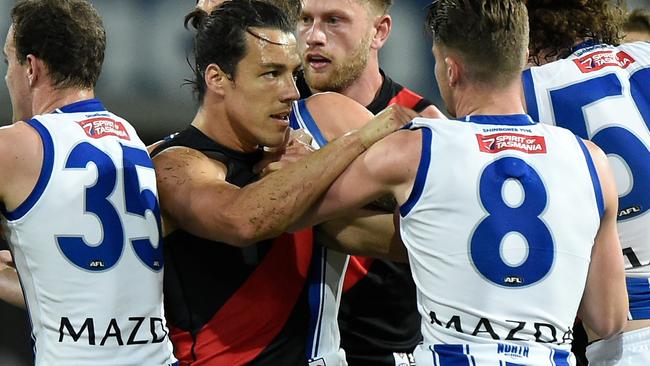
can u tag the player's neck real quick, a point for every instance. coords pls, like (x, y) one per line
(483, 100)
(365, 89)
(48, 99)
(214, 123)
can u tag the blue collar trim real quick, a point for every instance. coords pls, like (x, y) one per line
(510, 120)
(89, 105)
(585, 44)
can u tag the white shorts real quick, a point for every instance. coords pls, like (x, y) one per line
(626, 349)
(523, 353)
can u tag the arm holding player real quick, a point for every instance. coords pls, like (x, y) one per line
(604, 304)
(194, 195)
(358, 232)
(386, 168)
(10, 290)
(367, 233)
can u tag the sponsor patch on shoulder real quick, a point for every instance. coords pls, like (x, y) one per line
(598, 60)
(498, 142)
(103, 126)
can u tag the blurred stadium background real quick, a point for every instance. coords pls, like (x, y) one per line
(144, 71)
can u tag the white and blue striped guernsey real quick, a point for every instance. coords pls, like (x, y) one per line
(86, 243)
(498, 255)
(602, 93)
(326, 275)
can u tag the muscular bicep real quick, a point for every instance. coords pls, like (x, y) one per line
(194, 195)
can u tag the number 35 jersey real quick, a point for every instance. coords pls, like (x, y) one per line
(499, 229)
(87, 246)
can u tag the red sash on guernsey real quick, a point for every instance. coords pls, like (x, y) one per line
(255, 314)
(358, 268)
(406, 98)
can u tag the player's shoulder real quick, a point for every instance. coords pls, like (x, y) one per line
(635, 52)
(336, 114)
(18, 139)
(21, 153)
(175, 159)
(181, 163)
(330, 102)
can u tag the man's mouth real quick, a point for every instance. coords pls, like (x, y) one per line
(282, 116)
(317, 61)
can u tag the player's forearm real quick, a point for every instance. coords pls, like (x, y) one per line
(268, 207)
(369, 234)
(10, 290)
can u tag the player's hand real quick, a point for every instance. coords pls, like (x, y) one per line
(432, 112)
(6, 260)
(298, 147)
(386, 122)
(208, 5)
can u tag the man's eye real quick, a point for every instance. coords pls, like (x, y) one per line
(306, 20)
(271, 74)
(333, 20)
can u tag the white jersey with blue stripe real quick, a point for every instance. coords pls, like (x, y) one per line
(499, 241)
(86, 243)
(602, 93)
(326, 276)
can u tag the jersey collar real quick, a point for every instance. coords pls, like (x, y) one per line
(84, 106)
(509, 120)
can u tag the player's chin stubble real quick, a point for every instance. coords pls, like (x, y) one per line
(344, 73)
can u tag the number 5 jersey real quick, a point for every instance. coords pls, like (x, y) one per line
(602, 93)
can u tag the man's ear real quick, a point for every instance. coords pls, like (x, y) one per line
(383, 26)
(454, 70)
(215, 79)
(35, 70)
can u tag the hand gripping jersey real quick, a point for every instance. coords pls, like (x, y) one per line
(499, 241)
(374, 331)
(602, 93)
(326, 274)
(87, 244)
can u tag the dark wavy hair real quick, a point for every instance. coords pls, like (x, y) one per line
(68, 35)
(221, 36)
(490, 35)
(556, 25)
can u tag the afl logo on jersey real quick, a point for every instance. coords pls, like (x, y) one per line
(513, 281)
(103, 126)
(498, 142)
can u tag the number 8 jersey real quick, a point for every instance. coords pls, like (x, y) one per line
(499, 229)
(87, 246)
(602, 93)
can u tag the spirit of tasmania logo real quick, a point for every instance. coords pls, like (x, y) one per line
(598, 60)
(498, 142)
(102, 127)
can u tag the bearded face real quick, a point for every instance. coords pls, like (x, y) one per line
(334, 40)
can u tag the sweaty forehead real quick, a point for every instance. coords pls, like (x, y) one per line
(273, 36)
(272, 46)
